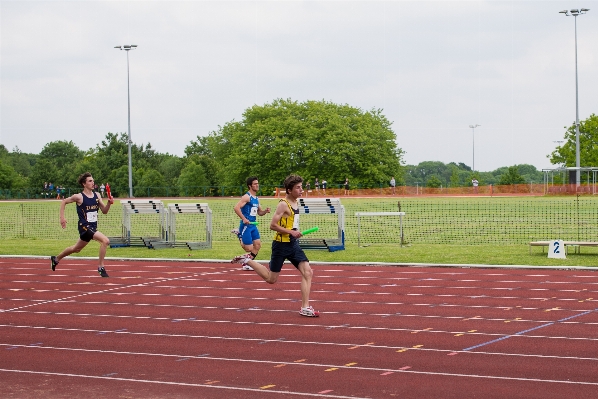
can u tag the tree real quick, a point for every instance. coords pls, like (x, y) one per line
(564, 155)
(314, 138)
(511, 177)
(151, 184)
(44, 171)
(434, 182)
(192, 181)
(9, 179)
(55, 163)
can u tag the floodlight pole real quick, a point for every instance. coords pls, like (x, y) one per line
(127, 48)
(575, 13)
(473, 144)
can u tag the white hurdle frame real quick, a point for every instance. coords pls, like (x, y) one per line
(174, 209)
(326, 206)
(131, 207)
(359, 214)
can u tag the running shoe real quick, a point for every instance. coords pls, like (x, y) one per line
(102, 271)
(241, 258)
(54, 262)
(309, 312)
(236, 232)
(247, 268)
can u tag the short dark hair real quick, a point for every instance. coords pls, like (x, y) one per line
(291, 182)
(250, 181)
(83, 178)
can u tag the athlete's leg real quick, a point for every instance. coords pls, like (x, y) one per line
(264, 272)
(72, 249)
(306, 277)
(104, 242)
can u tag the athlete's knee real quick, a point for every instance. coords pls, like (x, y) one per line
(308, 272)
(271, 279)
(256, 246)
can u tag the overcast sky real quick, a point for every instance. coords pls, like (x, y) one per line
(434, 67)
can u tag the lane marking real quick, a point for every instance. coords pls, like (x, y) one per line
(184, 384)
(109, 290)
(528, 330)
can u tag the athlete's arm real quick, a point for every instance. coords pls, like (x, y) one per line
(244, 199)
(281, 211)
(103, 207)
(261, 211)
(73, 198)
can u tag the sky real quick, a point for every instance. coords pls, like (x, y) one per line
(433, 67)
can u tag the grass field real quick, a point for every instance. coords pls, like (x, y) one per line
(438, 230)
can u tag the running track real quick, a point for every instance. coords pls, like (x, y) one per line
(208, 330)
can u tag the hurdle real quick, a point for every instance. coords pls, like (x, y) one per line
(143, 222)
(189, 217)
(329, 215)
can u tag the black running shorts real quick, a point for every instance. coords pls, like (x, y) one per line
(87, 235)
(286, 250)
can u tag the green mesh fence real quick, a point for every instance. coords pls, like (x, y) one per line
(463, 221)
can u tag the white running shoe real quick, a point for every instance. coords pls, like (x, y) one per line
(235, 232)
(247, 268)
(241, 258)
(309, 312)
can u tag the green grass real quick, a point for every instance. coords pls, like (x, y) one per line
(428, 253)
(493, 231)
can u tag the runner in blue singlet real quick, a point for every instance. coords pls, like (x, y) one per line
(248, 208)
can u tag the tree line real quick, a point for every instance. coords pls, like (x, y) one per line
(315, 139)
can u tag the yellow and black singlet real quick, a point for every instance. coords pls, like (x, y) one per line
(288, 222)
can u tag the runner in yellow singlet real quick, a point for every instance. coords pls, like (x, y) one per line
(285, 223)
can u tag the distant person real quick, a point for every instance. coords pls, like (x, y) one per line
(307, 189)
(393, 184)
(347, 186)
(88, 203)
(102, 188)
(285, 223)
(248, 208)
(50, 189)
(475, 184)
(324, 183)
(317, 184)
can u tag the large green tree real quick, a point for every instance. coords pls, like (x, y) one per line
(192, 181)
(512, 176)
(313, 139)
(564, 155)
(55, 164)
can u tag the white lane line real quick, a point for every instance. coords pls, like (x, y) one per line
(109, 290)
(184, 384)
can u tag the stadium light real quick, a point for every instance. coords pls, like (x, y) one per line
(127, 48)
(473, 144)
(575, 12)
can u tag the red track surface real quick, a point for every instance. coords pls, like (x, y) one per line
(209, 330)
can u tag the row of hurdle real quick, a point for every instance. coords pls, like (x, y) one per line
(148, 223)
(152, 224)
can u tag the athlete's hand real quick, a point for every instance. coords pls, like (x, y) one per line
(296, 233)
(267, 210)
(63, 223)
(111, 201)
